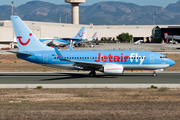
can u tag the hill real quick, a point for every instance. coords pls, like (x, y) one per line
(107, 13)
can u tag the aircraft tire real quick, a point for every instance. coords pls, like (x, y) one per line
(154, 74)
(92, 73)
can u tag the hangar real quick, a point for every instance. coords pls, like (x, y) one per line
(149, 33)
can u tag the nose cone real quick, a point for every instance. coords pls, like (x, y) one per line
(171, 62)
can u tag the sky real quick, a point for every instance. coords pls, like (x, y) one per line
(162, 3)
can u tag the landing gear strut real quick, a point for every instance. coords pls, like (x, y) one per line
(154, 74)
(92, 73)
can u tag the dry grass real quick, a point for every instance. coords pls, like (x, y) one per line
(104, 103)
(10, 63)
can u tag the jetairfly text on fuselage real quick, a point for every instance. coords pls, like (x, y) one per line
(121, 58)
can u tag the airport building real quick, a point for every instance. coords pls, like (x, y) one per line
(148, 33)
(63, 30)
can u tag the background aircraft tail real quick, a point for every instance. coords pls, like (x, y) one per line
(26, 40)
(84, 36)
(80, 34)
(94, 36)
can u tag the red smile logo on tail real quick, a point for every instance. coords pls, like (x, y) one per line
(80, 35)
(19, 38)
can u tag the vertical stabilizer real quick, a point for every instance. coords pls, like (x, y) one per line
(80, 34)
(94, 36)
(84, 36)
(26, 40)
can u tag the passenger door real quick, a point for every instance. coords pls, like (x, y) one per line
(45, 58)
(151, 58)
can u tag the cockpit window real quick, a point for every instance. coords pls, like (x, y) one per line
(163, 57)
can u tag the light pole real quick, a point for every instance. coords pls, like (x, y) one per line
(13, 29)
(66, 17)
(12, 6)
(2, 15)
(60, 18)
(153, 18)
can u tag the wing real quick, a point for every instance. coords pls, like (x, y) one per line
(83, 64)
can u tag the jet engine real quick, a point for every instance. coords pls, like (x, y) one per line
(112, 69)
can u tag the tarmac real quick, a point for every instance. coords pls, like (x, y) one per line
(157, 47)
(82, 80)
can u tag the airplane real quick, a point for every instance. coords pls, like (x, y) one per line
(85, 40)
(176, 37)
(64, 41)
(111, 62)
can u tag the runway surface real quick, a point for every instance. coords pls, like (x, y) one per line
(83, 78)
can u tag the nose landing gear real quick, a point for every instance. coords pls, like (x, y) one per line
(154, 73)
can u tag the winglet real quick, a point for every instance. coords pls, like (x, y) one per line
(70, 48)
(60, 56)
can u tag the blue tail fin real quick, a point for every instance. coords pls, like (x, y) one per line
(26, 40)
(80, 34)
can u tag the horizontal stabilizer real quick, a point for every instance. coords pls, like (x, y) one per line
(22, 53)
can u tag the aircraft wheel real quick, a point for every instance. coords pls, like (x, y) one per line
(92, 73)
(154, 74)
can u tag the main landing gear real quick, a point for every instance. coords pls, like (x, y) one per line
(154, 74)
(92, 73)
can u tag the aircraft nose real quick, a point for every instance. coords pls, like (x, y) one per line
(171, 62)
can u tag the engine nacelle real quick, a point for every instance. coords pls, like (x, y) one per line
(112, 69)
